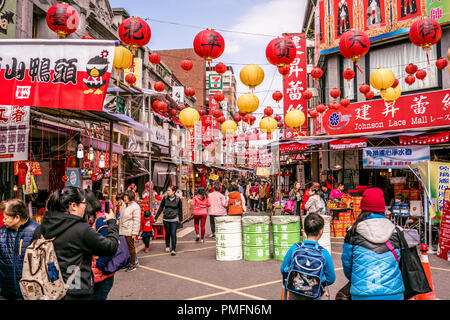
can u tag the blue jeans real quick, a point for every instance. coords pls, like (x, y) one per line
(102, 289)
(171, 234)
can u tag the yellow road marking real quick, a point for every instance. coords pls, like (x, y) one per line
(225, 290)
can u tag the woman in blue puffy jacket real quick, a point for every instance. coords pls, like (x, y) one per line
(371, 252)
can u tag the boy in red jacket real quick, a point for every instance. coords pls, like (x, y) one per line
(147, 229)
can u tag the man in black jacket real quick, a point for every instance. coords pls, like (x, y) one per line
(15, 237)
(75, 240)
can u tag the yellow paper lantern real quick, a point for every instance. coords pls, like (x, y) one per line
(248, 103)
(294, 119)
(268, 125)
(123, 59)
(382, 78)
(391, 94)
(228, 127)
(189, 117)
(252, 75)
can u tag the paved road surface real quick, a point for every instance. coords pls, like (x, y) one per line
(195, 274)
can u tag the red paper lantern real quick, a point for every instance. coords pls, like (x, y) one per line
(307, 95)
(246, 118)
(335, 93)
(252, 119)
(219, 96)
(163, 107)
(364, 88)
(268, 111)
(201, 112)
(134, 32)
(280, 125)
(344, 102)
(241, 113)
(441, 63)
(209, 44)
(186, 65)
(354, 44)
(313, 113)
(369, 95)
(208, 122)
(281, 51)
(181, 107)
(173, 112)
(189, 92)
(217, 113)
(159, 86)
(246, 146)
(221, 119)
(411, 68)
(224, 138)
(224, 144)
(62, 19)
(284, 70)
(410, 79)
(421, 74)
(316, 73)
(334, 105)
(277, 96)
(220, 68)
(237, 118)
(130, 78)
(87, 37)
(277, 117)
(154, 58)
(424, 33)
(395, 83)
(348, 74)
(321, 108)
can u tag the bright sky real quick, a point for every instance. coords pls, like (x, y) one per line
(268, 17)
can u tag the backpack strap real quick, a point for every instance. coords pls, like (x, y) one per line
(74, 272)
(391, 247)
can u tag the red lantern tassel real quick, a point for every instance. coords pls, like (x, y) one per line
(356, 64)
(428, 58)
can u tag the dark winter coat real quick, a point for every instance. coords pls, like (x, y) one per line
(76, 240)
(11, 260)
(171, 208)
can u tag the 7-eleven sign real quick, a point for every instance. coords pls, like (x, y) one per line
(215, 82)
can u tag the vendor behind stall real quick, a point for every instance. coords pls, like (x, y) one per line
(338, 192)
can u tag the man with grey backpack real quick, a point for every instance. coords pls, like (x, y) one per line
(64, 267)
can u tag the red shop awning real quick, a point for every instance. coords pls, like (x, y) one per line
(425, 139)
(177, 122)
(348, 144)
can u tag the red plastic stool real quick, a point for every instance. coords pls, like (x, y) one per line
(161, 234)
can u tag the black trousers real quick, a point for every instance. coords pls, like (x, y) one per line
(171, 234)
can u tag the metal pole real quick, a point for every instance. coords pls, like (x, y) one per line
(111, 134)
(150, 195)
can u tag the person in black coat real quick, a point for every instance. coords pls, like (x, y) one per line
(75, 240)
(15, 237)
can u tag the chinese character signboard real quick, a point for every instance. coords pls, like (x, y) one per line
(69, 74)
(136, 69)
(444, 234)
(423, 110)
(14, 133)
(348, 144)
(394, 157)
(295, 83)
(7, 17)
(379, 19)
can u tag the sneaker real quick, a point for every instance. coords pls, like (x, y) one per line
(173, 252)
(211, 235)
(202, 241)
(167, 249)
(130, 268)
(197, 239)
(146, 249)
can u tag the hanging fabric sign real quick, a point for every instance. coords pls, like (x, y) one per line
(394, 157)
(69, 74)
(425, 139)
(348, 144)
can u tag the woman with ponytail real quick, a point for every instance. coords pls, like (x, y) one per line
(200, 203)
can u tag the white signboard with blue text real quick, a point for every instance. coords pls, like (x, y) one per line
(394, 157)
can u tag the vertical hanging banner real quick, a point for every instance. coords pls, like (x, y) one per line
(69, 74)
(136, 70)
(295, 83)
(14, 133)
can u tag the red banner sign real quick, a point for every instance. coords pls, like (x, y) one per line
(348, 144)
(423, 110)
(293, 147)
(425, 139)
(444, 234)
(295, 83)
(69, 74)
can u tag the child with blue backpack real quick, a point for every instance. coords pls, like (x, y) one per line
(307, 267)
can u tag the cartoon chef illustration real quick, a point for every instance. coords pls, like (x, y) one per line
(96, 69)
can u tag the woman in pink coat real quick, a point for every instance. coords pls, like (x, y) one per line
(200, 203)
(219, 204)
